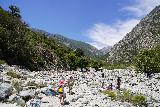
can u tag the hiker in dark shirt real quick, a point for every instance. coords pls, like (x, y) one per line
(103, 80)
(102, 75)
(102, 86)
(110, 87)
(118, 82)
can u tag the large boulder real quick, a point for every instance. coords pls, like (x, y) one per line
(27, 94)
(17, 99)
(5, 91)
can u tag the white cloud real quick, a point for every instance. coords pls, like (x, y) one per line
(98, 45)
(103, 35)
(142, 7)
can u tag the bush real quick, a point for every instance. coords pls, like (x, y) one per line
(17, 85)
(2, 61)
(148, 61)
(126, 95)
(32, 83)
(96, 64)
(139, 100)
(40, 85)
(115, 66)
(13, 74)
(110, 93)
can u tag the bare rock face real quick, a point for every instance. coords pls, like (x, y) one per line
(5, 91)
(105, 50)
(145, 35)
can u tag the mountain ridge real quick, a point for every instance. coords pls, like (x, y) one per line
(88, 49)
(146, 34)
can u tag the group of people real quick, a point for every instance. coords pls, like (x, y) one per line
(110, 87)
(59, 90)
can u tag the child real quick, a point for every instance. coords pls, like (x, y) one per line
(61, 91)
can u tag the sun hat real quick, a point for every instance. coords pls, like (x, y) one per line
(61, 82)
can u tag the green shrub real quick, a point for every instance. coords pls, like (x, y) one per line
(13, 74)
(32, 83)
(126, 96)
(148, 61)
(139, 100)
(115, 66)
(110, 93)
(2, 61)
(17, 85)
(96, 64)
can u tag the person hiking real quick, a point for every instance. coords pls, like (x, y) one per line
(118, 82)
(103, 79)
(110, 87)
(70, 84)
(61, 91)
(103, 84)
(103, 75)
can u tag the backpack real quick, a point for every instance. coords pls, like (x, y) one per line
(60, 89)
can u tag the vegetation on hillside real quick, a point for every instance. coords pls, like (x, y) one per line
(148, 60)
(22, 46)
(89, 50)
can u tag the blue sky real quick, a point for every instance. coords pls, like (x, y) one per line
(98, 22)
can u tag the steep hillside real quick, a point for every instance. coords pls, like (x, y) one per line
(145, 35)
(20, 45)
(88, 49)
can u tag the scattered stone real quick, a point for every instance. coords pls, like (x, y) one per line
(86, 89)
(5, 91)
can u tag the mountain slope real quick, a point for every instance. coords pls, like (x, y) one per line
(88, 49)
(20, 45)
(145, 35)
(105, 49)
(36, 50)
